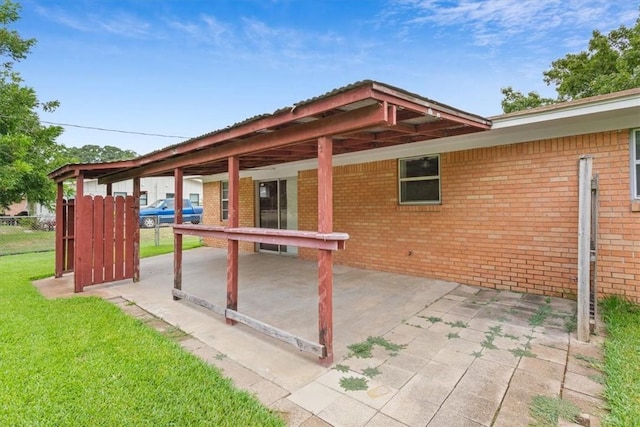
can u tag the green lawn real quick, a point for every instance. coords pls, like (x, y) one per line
(622, 362)
(18, 240)
(81, 361)
(15, 239)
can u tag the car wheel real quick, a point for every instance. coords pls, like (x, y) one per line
(195, 221)
(149, 222)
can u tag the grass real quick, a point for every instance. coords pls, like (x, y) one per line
(82, 361)
(621, 361)
(17, 240)
(548, 410)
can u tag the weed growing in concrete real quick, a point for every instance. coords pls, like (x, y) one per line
(540, 316)
(457, 324)
(432, 319)
(362, 350)
(341, 368)
(522, 352)
(548, 410)
(371, 372)
(452, 335)
(353, 383)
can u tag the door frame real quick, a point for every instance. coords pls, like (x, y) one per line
(258, 219)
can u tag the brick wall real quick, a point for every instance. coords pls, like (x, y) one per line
(212, 211)
(508, 218)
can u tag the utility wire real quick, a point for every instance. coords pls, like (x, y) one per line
(116, 130)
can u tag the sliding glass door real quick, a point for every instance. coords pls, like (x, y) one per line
(278, 208)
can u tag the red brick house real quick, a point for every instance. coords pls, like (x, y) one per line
(497, 209)
(391, 181)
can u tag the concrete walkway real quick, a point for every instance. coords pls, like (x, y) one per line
(409, 351)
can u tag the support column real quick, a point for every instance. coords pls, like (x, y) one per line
(136, 227)
(584, 246)
(78, 264)
(232, 245)
(110, 189)
(60, 246)
(325, 258)
(177, 238)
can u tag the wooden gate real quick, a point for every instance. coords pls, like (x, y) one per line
(106, 240)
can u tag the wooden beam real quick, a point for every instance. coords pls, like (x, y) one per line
(362, 118)
(178, 294)
(177, 238)
(584, 246)
(325, 261)
(299, 343)
(232, 245)
(136, 229)
(77, 222)
(299, 238)
(60, 229)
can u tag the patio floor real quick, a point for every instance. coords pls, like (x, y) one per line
(452, 355)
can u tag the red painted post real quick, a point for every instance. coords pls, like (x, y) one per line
(325, 260)
(119, 238)
(232, 245)
(177, 238)
(129, 225)
(60, 247)
(70, 229)
(77, 263)
(136, 229)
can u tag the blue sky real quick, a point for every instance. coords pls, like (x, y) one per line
(187, 67)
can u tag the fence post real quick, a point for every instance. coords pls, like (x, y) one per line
(584, 246)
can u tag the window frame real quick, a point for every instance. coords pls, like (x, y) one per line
(420, 178)
(635, 163)
(194, 198)
(144, 198)
(224, 212)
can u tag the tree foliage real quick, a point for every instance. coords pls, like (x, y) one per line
(96, 154)
(28, 150)
(610, 64)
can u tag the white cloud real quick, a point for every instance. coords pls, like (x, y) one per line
(493, 22)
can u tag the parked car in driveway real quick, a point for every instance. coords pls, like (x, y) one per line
(163, 212)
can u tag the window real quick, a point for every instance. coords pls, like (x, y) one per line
(224, 200)
(635, 163)
(120, 193)
(169, 195)
(143, 198)
(419, 180)
(194, 198)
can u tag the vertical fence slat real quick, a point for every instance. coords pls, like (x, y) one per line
(84, 243)
(128, 236)
(108, 238)
(71, 253)
(119, 238)
(98, 240)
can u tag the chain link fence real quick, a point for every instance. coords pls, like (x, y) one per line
(25, 234)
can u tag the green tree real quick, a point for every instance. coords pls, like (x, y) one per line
(96, 154)
(611, 64)
(28, 150)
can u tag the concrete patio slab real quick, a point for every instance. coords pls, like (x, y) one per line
(444, 354)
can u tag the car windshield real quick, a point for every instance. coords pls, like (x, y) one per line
(156, 203)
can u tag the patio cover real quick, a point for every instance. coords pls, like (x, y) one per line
(357, 117)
